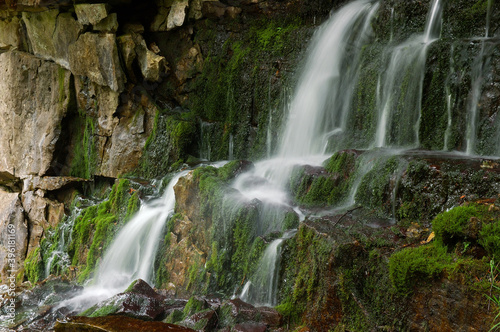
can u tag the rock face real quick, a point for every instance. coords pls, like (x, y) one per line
(96, 56)
(34, 99)
(14, 236)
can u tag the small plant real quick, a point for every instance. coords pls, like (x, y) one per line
(495, 299)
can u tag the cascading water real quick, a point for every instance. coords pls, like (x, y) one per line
(261, 289)
(323, 95)
(480, 62)
(400, 99)
(317, 111)
(328, 78)
(132, 252)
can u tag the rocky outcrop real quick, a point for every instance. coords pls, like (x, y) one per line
(116, 324)
(34, 95)
(14, 236)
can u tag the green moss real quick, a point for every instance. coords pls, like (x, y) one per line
(193, 306)
(169, 144)
(322, 188)
(95, 228)
(411, 265)
(489, 238)
(175, 317)
(84, 160)
(456, 224)
(33, 266)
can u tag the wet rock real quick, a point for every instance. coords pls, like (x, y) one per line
(115, 324)
(250, 327)
(239, 311)
(205, 320)
(270, 316)
(13, 235)
(35, 96)
(35, 307)
(448, 306)
(96, 56)
(138, 301)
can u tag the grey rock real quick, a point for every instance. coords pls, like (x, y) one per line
(108, 24)
(10, 33)
(34, 98)
(96, 56)
(50, 33)
(13, 228)
(91, 13)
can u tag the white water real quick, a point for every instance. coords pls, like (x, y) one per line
(476, 87)
(132, 252)
(323, 95)
(60, 255)
(262, 287)
(400, 98)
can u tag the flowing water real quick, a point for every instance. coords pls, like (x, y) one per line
(261, 289)
(132, 252)
(318, 113)
(400, 99)
(477, 78)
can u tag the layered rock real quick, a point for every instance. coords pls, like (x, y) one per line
(35, 95)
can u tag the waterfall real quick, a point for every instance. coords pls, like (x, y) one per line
(132, 252)
(477, 82)
(323, 95)
(400, 99)
(262, 287)
(317, 111)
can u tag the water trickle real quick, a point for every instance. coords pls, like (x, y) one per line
(400, 98)
(59, 259)
(231, 147)
(477, 79)
(261, 289)
(205, 148)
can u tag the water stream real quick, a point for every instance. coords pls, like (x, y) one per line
(132, 252)
(400, 99)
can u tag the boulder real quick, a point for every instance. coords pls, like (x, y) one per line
(96, 56)
(34, 98)
(139, 301)
(50, 33)
(109, 24)
(91, 13)
(171, 14)
(13, 235)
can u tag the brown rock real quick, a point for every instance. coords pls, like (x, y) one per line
(115, 324)
(250, 327)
